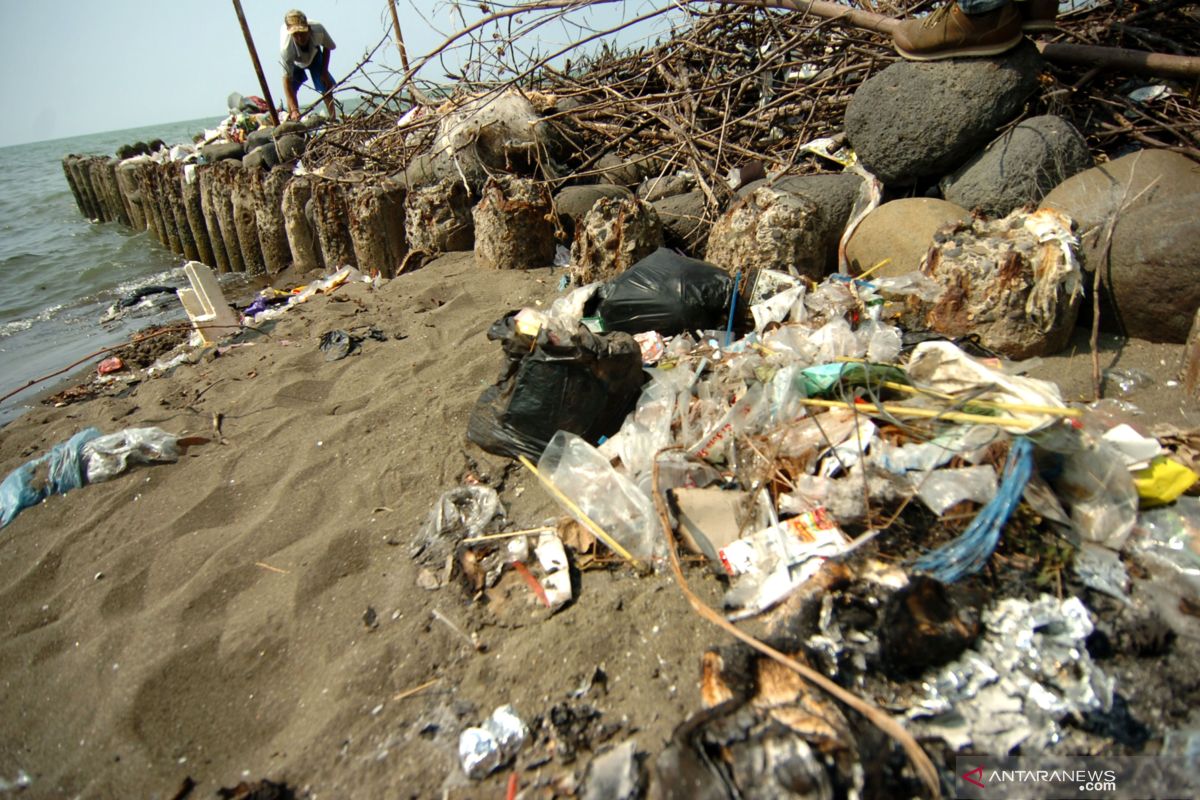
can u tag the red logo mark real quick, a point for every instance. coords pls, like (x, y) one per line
(966, 776)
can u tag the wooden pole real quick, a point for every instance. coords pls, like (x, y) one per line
(418, 96)
(262, 79)
(399, 36)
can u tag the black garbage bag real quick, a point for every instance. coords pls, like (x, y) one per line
(586, 385)
(668, 293)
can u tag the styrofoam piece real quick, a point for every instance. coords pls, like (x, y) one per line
(205, 304)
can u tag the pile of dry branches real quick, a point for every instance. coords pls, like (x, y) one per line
(733, 85)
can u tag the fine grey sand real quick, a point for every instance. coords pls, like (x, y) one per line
(209, 618)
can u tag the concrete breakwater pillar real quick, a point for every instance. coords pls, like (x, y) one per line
(193, 209)
(514, 226)
(268, 213)
(245, 221)
(144, 175)
(161, 192)
(220, 180)
(112, 188)
(127, 183)
(172, 193)
(73, 184)
(332, 222)
(376, 217)
(299, 224)
(241, 219)
(106, 188)
(83, 180)
(208, 207)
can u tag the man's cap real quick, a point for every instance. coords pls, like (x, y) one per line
(295, 21)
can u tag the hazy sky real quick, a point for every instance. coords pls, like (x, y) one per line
(80, 66)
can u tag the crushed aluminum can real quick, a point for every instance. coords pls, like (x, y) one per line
(485, 749)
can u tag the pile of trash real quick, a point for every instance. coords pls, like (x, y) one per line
(819, 453)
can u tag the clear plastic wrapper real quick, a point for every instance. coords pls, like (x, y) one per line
(834, 341)
(787, 304)
(1128, 381)
(458, 514)
(943, 488)
(608, 498)
(1099, 493)
(881, 342)
(106, 457)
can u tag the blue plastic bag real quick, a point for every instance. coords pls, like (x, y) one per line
(56, 472)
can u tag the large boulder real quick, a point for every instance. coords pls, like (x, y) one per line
(660, 186)
(573, 202)
(792, 224)
(1013, 282)
(1019, 167)
(221, 151)
(612, 237)
(682, 217)
(1152, 270)
(900, 232)
(427, 169)
(615, 170)
(1095, 196)
(922, 120)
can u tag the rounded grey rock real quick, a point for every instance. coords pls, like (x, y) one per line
(1019, 167)
(923, 120)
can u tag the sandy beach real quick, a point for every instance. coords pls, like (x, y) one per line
(253, 611)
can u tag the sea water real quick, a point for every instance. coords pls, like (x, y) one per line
(60, 273)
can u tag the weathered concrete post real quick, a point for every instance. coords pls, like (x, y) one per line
(162, 198)
(244, 219)
(268, 212)
(298, 224)
(377, 228)
(222, 176)
(78, 195)
(192, 208)
(332, 222)
(127, 180)
(514, 225)
(144, 173)
(120, 204)
(83, 179)
(437, 218)
(171, 178)
(204, 180)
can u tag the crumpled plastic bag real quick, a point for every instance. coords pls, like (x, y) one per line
(57, 472)
(106, 457)
(458, 514)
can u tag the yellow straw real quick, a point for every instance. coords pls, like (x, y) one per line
(863, 276)
(507, 535)
(1055, 411)
(928, 413)
(582, 517)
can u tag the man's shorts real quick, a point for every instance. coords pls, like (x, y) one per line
(317, 69)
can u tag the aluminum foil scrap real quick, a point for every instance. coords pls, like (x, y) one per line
(485, 749)
(1029, 671)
